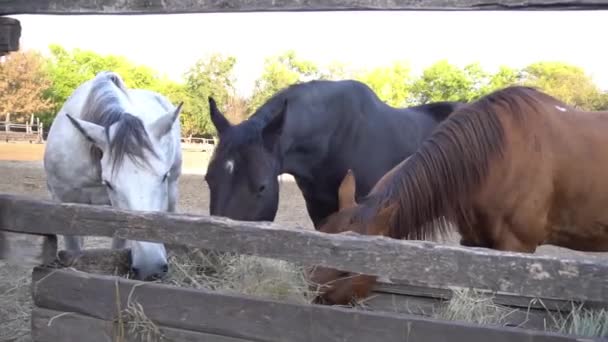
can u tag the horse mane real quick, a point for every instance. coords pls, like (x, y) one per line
(103, 106)
(250, 130)
(434, 185)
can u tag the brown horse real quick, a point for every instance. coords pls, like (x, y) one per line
(513, 170)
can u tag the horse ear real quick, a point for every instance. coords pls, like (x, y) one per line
(217, 118)
(347, 190)
(163, 125)
(93, 132)
(272, 131)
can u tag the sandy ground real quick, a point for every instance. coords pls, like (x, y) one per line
(21, 173)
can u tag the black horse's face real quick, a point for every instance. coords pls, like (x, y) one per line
(242, 178)
(243, 184)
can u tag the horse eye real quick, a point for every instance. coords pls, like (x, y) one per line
(165, 176)
(108, 185)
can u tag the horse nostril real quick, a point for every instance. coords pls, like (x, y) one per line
(261, 189)
(164, 269)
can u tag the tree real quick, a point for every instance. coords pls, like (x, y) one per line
(281, 71)
(504, 77)
(23, 82)
(392, 84)
(210, 76)
(443, 81)
(568, 83)
(69, 69)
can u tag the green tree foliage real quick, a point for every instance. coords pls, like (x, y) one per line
(443, 81)
(566, 82)
(392, 84)
(504, 77)
(53, 80)
(69, 69)
(211, 76)
(286, 69)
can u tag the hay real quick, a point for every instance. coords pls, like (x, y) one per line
(15, 303)
(138, 324)
(580, 322)
(472, 306)
(239, 274)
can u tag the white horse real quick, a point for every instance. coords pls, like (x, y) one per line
(110, 145)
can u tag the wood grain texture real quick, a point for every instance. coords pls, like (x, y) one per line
(56, 326)
(411, 262)
(247, 318)
(205, 6)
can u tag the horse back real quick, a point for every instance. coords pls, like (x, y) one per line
(439, 111)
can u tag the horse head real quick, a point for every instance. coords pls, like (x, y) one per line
(334, 286)
(135, 169)
(242, 173)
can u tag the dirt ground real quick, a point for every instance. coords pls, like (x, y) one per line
(21, 173)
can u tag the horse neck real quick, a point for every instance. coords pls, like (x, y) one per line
(312, 137)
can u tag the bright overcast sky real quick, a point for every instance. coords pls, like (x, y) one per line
(171, 43)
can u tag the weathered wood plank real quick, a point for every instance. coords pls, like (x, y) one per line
(97, 261)
(56, 326)
(412, 262)
(27, 249)
(386, 297)
(205, 6)
(10, 33)
(255, 319)
(511, 300)
(531, 318)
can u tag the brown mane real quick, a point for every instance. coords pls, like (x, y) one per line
(435, 183)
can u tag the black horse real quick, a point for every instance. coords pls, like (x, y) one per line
(314, 131)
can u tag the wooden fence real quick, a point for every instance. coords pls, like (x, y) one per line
(32, 131)
(70, 303)
(199, 144)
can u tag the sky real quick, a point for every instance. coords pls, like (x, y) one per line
(172, 43)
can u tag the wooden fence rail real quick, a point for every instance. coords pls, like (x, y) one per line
(71, 304)
(29, 131)
(409, 262)
(205, 6)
